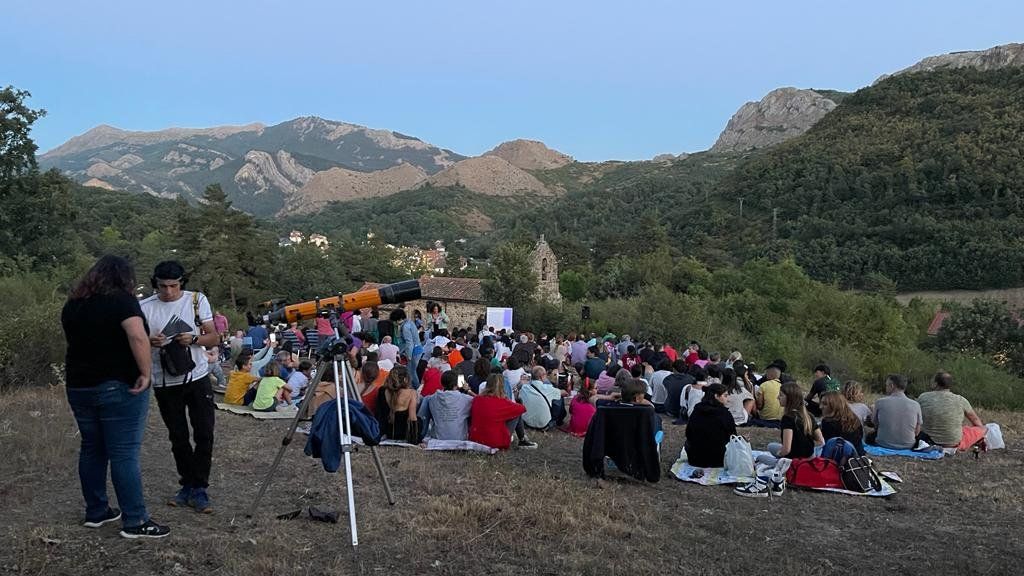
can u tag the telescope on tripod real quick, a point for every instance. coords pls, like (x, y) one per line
(389, 294)
(334, 353)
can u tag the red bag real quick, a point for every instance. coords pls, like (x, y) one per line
(814, 473)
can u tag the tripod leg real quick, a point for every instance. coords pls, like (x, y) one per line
(350, 380)
(383, 477)
(310, 388)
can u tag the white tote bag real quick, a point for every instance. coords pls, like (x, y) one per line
(739, 460)
(994, 437)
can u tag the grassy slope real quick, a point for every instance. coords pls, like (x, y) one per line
(521, 513)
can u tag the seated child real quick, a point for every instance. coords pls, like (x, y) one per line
(218, 381)
(271, 390)
(240, 380)
(299, 379)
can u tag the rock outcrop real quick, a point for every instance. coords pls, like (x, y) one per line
(489, 175)
(992, 59)
(260, 173)
(782, 114)
(530, 155)
(339, 185)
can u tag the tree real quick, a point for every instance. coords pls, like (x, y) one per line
(17, 150)
(35, 209)
(511, 280)
(572, 285)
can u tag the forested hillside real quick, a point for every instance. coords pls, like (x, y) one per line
(918, 178)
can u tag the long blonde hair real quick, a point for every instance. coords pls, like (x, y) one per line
(794, 406)
(495, 386)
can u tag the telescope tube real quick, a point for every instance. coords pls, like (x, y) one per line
(389, 294)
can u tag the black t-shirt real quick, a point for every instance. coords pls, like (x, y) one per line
(674, 384)
(802, 445)
(832, 429)
(98, 348)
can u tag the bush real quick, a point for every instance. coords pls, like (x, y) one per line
(32, 342)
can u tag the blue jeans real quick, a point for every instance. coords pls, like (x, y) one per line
(111, 421)
(414, 379)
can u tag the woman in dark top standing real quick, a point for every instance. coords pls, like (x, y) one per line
(709, 428)
(840, 421)
(108, 376)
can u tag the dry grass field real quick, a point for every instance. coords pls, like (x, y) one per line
(521, 512)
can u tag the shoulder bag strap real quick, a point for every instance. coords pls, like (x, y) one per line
(548, 402)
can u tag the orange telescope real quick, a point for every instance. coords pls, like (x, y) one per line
(388, 294)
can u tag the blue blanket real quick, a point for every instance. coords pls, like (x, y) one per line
(933, 454)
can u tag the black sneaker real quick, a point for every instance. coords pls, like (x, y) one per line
(110, 515)
(148, 530)
(526, 445)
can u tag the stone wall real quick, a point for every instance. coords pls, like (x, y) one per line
(460, 314)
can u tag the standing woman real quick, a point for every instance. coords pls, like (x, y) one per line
(108, 376)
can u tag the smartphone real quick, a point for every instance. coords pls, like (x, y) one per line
(462, 381)
(273, 338)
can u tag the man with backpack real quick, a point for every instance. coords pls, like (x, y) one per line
(180, 325)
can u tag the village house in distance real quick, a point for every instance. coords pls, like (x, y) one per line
(463, 298)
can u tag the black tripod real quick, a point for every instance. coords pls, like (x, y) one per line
(344, 385)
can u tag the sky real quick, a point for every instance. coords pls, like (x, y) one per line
(597, 80)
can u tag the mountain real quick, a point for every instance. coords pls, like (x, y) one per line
(530, 155)
(917, 179)
(992, 59)
(782, 114)
(491, 176)
(343, 185)
(260, 167)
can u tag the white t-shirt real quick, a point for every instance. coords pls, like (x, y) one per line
(158, 313)
(690, 397)
(735, 406)
(297, 381)
(388, 351)
(441, 341)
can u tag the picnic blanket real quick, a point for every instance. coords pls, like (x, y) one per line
(703, 476)
(935, 454)
(280, 414)
(463, 445)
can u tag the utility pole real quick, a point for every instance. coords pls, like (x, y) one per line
(775, 222)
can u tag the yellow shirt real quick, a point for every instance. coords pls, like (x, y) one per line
(771, 410)
(238, 384)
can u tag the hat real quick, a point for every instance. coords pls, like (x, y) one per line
(385, 364)
(777, 363)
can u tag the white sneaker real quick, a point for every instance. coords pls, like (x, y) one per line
(756, 489)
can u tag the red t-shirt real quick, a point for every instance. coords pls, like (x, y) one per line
(487, 418)
(431, 382)
(670, 353)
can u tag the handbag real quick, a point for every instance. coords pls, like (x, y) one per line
(739, 459)
(814, 473)
(860, 476)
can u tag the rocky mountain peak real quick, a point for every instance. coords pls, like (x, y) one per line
(992, 59)
(530, 155)
(782, 114)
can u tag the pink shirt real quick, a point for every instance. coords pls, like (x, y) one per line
(582, 412)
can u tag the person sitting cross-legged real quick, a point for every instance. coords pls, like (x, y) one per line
(445, 414)
(801, 438)
(709, 428)
(493, 417)
(943, 414)
(897, 419)
(544, 405)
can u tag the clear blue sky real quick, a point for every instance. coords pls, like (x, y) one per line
(597, 80)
